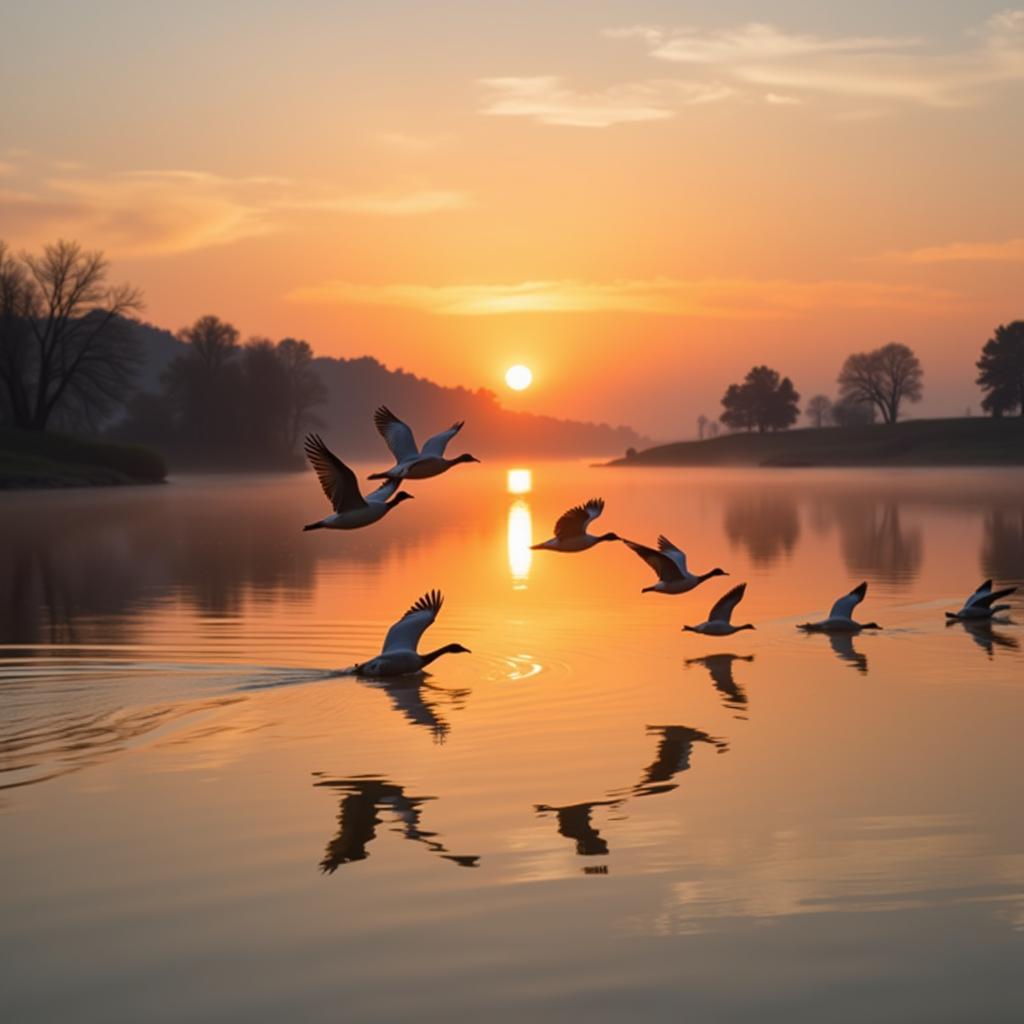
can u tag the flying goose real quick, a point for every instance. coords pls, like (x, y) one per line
(571, 529)
(979, 604)
(399, 656)
(351, 509)
(410, 461)
(718, 622)
(669, 562)
(840, 617)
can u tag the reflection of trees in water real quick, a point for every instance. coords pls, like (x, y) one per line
(75, 564)
(363, 799)
(875, 542)
(1002, 551)
(767, 525)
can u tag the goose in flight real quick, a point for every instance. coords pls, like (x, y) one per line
(398, 656)
(571, 529)
(669, 562)
(980, 604)
(351, 509)
(840, 618)
(719, 622)
(411, 462)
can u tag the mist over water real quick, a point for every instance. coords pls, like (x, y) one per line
(591, 816)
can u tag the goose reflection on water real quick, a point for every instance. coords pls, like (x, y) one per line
(842, 647)
(520, 528)
(418, 701)
(673, 755)
(985, 636)
(719, 667)
(363, 798)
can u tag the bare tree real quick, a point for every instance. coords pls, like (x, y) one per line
(702, 426)
(884, 377)
(65, 350)
(713, 429)
(819, 410)
(305, 388)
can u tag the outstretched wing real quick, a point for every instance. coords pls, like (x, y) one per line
(723, 609)
(405, 634)
(843, 608)
(574, 523)
(436, 445)
(396, 433)
(385, 490)
(337, 480)
(676, 554)
(985, 601)
(982, 592)
(662, 564)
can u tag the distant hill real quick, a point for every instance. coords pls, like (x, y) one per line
(355, 387)
(953, 442)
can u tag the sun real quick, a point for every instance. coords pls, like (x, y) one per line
(519, 377)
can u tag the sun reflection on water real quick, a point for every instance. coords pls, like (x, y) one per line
(520, 528)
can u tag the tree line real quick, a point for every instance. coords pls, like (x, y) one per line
(871, 385)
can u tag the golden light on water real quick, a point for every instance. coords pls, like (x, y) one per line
(520, 481)
(519, 377)
(520, 537)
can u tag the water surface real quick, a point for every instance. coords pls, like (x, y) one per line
(593, 816)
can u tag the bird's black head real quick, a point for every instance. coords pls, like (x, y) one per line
(609, 536)
(747, 626)
(871, 625)
(718, 572)
(457, 649)
(466, 457)
(401, 496)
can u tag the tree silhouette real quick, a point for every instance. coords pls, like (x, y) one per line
(702, 426)
(66, 354)
(764, 401)
(819, 410)
(885, 377)
(849, 412)
(1001, 370)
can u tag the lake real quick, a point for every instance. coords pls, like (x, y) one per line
(593, 816)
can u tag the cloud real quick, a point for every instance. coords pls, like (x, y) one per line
(413, 145)
(782, 100)
(544, 98)
(713, 298)
(1009, 251)
(904, 70)
(173, 211)
(406, 204)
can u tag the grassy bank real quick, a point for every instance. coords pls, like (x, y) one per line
(30, 458)
(953, 442)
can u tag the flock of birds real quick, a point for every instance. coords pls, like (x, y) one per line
(400, 653)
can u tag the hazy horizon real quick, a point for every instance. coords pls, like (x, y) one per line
(639, 201)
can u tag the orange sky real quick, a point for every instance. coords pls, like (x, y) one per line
(638, 200)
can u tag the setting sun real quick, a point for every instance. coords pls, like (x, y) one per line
(518, 377)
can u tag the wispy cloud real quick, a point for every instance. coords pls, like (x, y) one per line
(895, 69)
(713, 297)
(406, 142)
(402, 204)
(171, 211)
(1009, 251)
(546, 99)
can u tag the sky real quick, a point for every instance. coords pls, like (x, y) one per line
(639, 200)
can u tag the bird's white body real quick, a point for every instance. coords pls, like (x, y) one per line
(980, 605)
(571, 529)
(351, 510)
(840, 618)
(411, 462)
(719, 620)
(399, 656)
(669, 562)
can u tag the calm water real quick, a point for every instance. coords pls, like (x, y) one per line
(593, 816)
